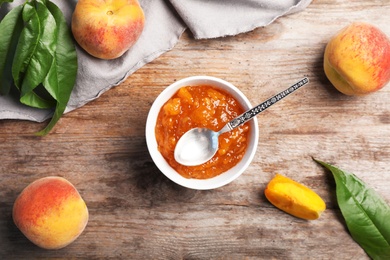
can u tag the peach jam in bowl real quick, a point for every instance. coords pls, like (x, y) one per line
(201, 101)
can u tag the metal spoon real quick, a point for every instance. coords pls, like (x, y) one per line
(198, 145)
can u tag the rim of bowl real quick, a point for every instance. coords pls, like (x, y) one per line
(219, 180)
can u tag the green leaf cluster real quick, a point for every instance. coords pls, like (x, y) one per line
(38, 57)
(366, 213)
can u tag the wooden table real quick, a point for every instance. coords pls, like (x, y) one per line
(137, 213)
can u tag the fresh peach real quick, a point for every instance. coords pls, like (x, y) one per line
(357, 59)
(50, 212)
(107, 29)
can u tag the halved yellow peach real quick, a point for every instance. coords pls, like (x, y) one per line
(294, 198)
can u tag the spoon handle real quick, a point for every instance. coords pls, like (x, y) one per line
(248, 115)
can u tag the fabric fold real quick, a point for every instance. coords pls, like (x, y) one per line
(164, 24)
(217, 18)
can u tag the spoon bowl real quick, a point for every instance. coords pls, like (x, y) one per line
(197, 147)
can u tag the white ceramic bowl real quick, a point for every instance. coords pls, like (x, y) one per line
(165, 168)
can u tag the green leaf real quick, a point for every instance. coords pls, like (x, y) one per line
(39, 98)
(366, 213)
(63, 72)
(62, 75)
(26, 46)
(43, 65)
(35, 52)
(10, 27)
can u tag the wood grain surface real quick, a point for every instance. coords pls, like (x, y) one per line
(137, 213)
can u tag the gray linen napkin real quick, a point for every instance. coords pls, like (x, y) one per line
(216, 18)
(163, 28)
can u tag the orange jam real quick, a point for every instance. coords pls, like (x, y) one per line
(201, 106)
